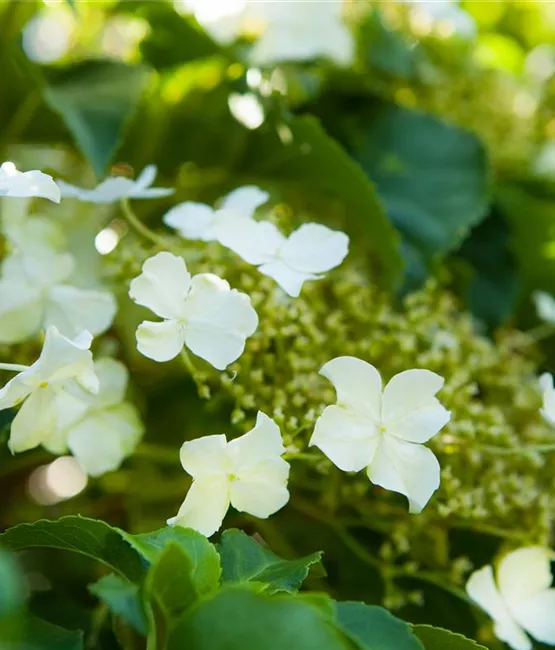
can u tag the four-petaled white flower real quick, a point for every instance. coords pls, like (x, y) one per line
(23, 184)
(63, 365)
(99, 430)
(520, 600)
(115, 188)
(382, 430)
(35, 294)
(306, 254)
(200, 312)
(545, 306)
(247, 473)
(548, 395)
(200, 221)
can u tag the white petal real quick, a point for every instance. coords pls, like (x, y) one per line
(43, 267)
(545, 306)
(408, 391)
(109, 190)
(347, 439)
(112, 378)
(102, 440)
(261, 443)
(32, 183)
(63, 359)
(512, 634)
(407, 468)
(34, 422)
(524, 573)
(263, 494)
(191, 220)
(314, 249)
(548, 407)
(146, 177)
(69, 409)
(205, 456)
(205, 505)
(256, 242)
(289, 280)
(21, 311)
(421, 424)
(244, 200)
(358, 385)
(163, 285)
(73, 310)
(160, 341)
(536, 616)
(218, 320)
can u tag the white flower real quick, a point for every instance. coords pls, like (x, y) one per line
(548, 395)
(306, 254)
(247, 473)
(545, 306)
(63, 365)
(99, 430)
(35, 294)
(449, 13)
(201, 312)
(200, 221)
(382, 430)
(21, 184)
(520, 600)
(116, 188)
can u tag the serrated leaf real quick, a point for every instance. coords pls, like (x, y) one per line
(245, 560)
(374, 628)
(313, 163)
(96, 99)
(123, 600)
(203, 557)
(433, 178)
(434, 638)
(237, 618)
(91, 537)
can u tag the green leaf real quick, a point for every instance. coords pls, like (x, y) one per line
(93, 538)
(237, 618)
(374, 628)
(12, 586)
(41, 635)
(96, 99)
(432, 176)
(202, 555)
(434, 638)
(123, 600)
(313, 164)
(245, 560)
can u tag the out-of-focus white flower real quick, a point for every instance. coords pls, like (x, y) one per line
(306, 254)
(520, 600)
(548, 395)
(64, 365)
(545, 306)
(200, 312)
(448, 12)
(22, 184)
(247, 473)
(34, 294)
(287, 31)
(200, 221)
(246, 109)
(382, 431)
(116, 188)
(99, 430)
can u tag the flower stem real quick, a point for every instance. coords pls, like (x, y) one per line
(13, 367)
(139, 226)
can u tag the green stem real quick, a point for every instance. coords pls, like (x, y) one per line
(517, 451)
(13, 367)
(293, 455)
(139, 226)
(541, 332)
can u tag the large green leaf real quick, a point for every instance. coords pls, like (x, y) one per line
(12, 586)
(237, 618)
(374, 628)
(96, 99)
(245, 560)
(123, 600)
(202, 555)
(90, 537)
(434, 638)
(41, 635)
(309, 162)
(432, 176)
